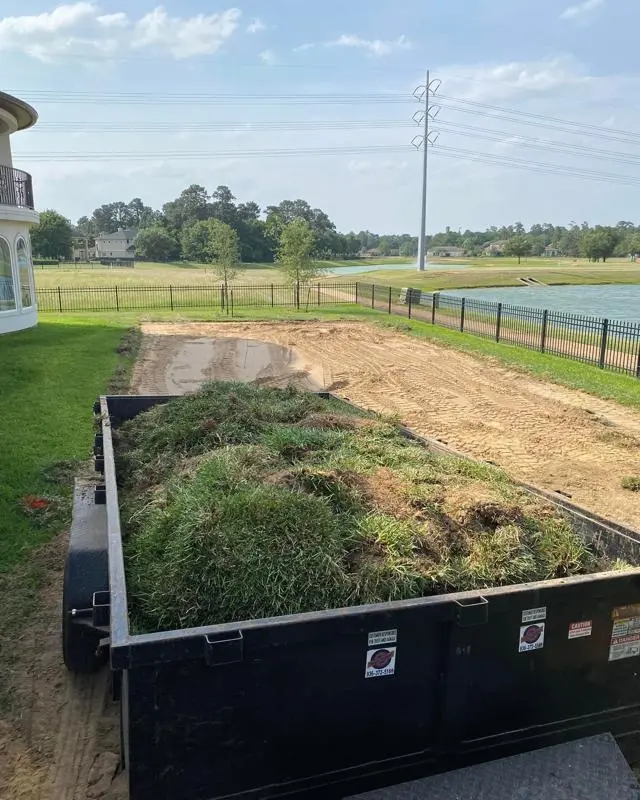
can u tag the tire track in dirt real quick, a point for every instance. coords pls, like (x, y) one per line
(539, 432)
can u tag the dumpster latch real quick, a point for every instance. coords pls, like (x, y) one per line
(472, 611)
(226, 649)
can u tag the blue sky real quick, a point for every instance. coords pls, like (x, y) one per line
(191, 66)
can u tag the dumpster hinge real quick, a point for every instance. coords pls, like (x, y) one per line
(226, 649)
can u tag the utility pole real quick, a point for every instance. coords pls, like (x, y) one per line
(428, 138)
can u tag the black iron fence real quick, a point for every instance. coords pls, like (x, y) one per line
(608, 344)
(605, 343)
(172, 298)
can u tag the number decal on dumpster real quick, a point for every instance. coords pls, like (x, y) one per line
(531, 637)
(625, 633)
(380, 663)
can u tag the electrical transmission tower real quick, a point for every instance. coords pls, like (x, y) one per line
(429, 137)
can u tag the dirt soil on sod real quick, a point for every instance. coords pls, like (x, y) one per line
(242, 502)
(540, 433)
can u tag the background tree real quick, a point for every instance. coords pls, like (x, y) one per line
(599, 243)
(518, 246)
(224, 250)
(297, 243)
(157, 244)
(211, 241)
(191, 206)
(53, 236)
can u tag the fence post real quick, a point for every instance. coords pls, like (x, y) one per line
(373, 295)
(171, 296)
(498, 321)
(543, 336)
(272, 303)
(117, 301)
(638, 363)
(410, 300)
(389, 299)
(603, 343)
(222, 297)
(356, 292)
(462, 315)
(433, 307)
(298, 295)
(60, 299)
(232, 302)
(318, 295)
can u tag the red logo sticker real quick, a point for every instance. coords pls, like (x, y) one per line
(380, 659)
(532, 634)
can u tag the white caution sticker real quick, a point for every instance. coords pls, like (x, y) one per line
(534, 614)
(531, 637)
(381, 662)
(578, 630)
(625, 633)
(382, 637)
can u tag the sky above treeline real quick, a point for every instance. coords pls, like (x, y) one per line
(538, 114)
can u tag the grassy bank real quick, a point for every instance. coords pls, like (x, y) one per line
(489, 277)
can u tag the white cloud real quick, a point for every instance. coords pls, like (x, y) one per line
(191, 36)
(484, 82)
(582, 12)
(256, 25)
(118, 20)
(269, 57)
(81, 28)
(301, 48)
(376, 47)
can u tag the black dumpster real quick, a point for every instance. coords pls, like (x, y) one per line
(333, 703)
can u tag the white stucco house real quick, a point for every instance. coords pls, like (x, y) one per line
(17, 215)
(117, 246)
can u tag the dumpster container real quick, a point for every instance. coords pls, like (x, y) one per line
(332, 703)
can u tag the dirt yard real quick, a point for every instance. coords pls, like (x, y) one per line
(62, 743)
(555, 438)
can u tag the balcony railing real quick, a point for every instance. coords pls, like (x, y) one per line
(16, 188)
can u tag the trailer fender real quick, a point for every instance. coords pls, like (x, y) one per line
(85, 601)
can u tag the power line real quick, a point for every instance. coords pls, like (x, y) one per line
(544, 117)
(439, 150)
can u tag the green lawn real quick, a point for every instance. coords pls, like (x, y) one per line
(50, 376)
(480, 273)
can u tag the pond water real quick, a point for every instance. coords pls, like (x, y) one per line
(613, 302)
(361, 269)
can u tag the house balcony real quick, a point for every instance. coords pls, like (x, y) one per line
(16, 196)
(16, 188)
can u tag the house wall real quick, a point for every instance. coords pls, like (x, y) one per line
(5, 150)
(21, 317)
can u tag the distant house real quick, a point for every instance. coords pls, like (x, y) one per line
(551, 252)
(118, 246)
(447, 252)
(494, 248)
(82, 252)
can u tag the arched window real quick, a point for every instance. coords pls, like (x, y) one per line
(24, 272)
(7, 293)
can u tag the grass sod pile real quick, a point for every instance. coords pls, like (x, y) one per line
(243, 502)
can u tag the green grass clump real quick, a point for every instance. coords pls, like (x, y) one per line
(632, 483)
(242, 502)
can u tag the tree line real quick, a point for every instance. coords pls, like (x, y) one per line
(175, 232)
